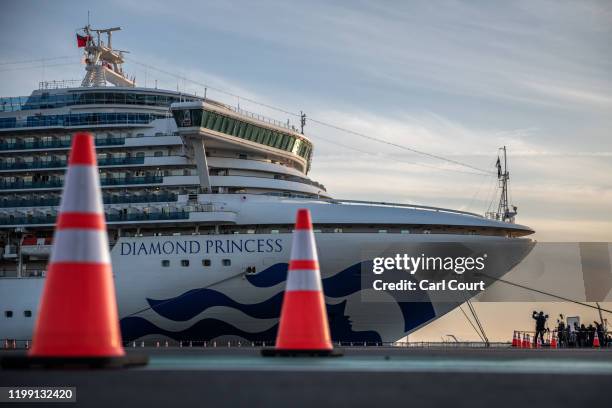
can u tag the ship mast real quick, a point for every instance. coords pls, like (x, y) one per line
(103, 64)
(503, 175)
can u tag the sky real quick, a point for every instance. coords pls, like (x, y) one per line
(452, 78)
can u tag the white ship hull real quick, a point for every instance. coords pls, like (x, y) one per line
(217, 302)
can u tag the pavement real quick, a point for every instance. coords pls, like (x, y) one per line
(373, 376)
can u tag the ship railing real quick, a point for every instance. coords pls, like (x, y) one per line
(79, 119)
(262, 118)
(105, 181)
(24, 344)
(113, 181)
(106, 161)
(87, 97)
(21, 165)
(294, 179)
(149, 213)
(140, 216)
(51, 144)
(30, 184)
(107, 199)
(61, 84)
(412, 206)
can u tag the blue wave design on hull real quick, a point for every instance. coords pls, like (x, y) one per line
(135, 327)
(191, 303)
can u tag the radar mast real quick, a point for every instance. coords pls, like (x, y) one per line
(103, 64)
(503, 175)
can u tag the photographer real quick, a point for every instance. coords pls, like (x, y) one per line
(540, 319)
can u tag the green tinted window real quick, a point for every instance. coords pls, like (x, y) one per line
(266, 139)
(257, 133)
(273, 138)
(242, 129)
(218, 121)
(280, 140)
(249, 131)
(236, 128)
(262, 135)
(210, 120)
(224, 124)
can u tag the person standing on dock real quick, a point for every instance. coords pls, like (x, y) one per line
(599, 332)
(561, 332)
(540, 319)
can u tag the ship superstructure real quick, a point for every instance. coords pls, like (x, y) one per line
(199, 199)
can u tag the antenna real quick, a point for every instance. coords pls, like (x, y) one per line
(503, 175)
(302, 121)
(103, 63)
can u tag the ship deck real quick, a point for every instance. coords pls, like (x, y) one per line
(371, 376)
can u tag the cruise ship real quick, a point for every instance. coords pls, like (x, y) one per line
(200, 199)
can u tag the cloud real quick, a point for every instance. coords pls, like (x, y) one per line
(454, 79)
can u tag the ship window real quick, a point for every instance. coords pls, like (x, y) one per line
(218, 121)
(266, 138)
(235, 127)
(224, 124)
(405, 231)
(210, 119)
(184, 262)
(205, 115)
(242, 130)
(248, 131)
(8, 313)
(272, 140)
(226, 262)
(165, 263)
(255, 134)
(27, 313)
(158, 154)
(205, 262)
(291, 144)
(262, 135)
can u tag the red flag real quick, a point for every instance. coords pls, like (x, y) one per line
(82, 40)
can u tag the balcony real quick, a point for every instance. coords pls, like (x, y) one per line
(80, 119)
(50, 219)
(55, 144)
(111, 161)
(34, 202)
(20, 184)
(107, 198)
(33, 165)
(114, 181)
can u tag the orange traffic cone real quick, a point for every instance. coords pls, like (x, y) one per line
(596, 341)
(303, 327)
(515, 341)
(529, 345)
(525, 343)
(77, 323)
(553, 341)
